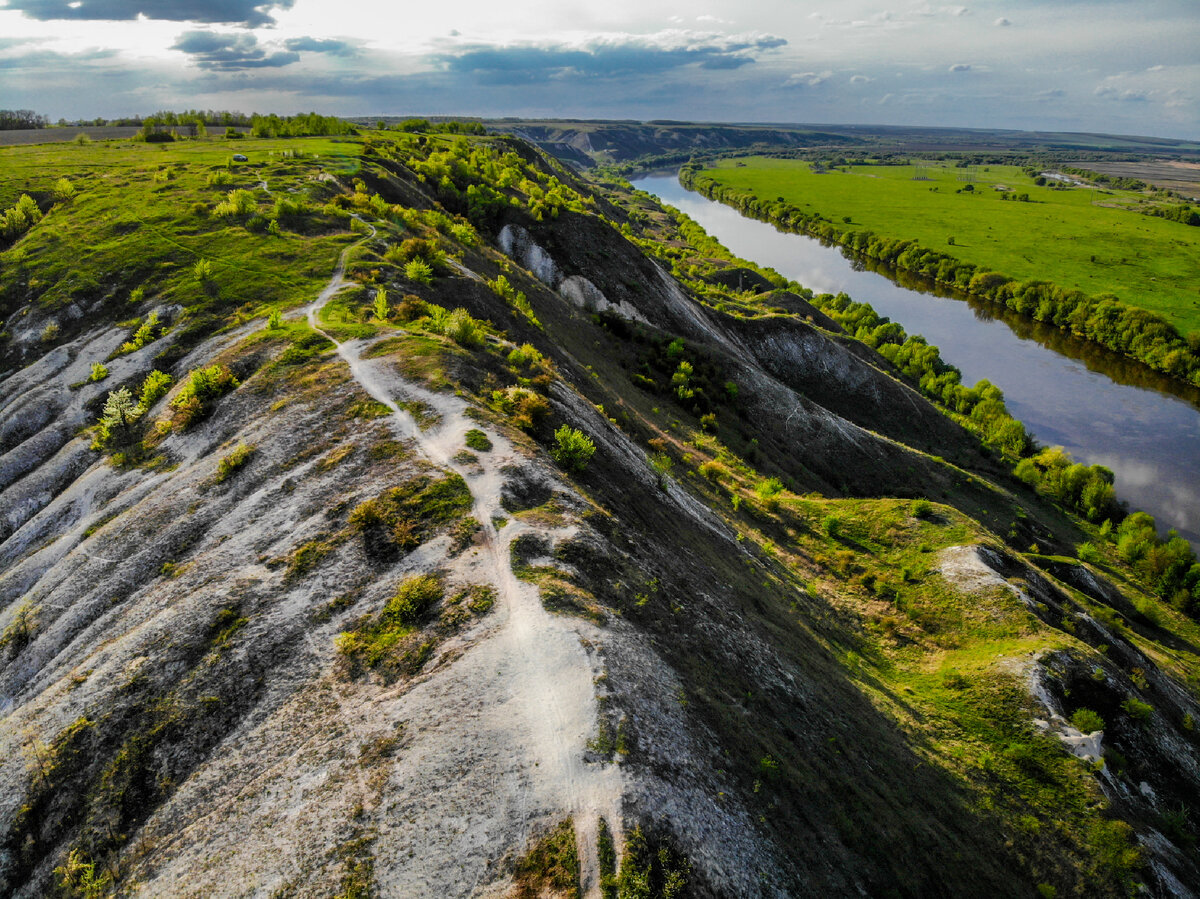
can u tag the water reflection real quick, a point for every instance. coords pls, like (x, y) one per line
(1104, 409)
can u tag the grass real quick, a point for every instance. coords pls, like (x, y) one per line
(1090, 240)
(129, 234)
(550, 867)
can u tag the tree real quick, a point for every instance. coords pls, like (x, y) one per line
(117, 420)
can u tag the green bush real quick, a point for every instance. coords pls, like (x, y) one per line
(1086, 721)
(573, 449)
(478, 441)
(204, 386)
(239, 202)
(99, 372)
(418, 271)
(412, 600)
(154, 388)
(525, 356)
(230, 463)
(1136, 709)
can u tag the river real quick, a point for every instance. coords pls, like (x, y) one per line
(1101, 408)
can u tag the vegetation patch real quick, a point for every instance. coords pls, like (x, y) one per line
(233, 461)
(550, 867)
(403, 517)
(390, 643)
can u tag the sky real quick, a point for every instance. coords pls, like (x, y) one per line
(1115, 66)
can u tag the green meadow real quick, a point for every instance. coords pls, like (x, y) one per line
(1090, 239)
(143, 219)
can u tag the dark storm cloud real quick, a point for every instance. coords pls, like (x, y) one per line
(531, 63)
(221, 52)
(331, 46)
(244, 12)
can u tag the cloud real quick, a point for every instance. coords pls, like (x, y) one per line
(1126, 95)
(808, 79)
(252, 13)
(959, 67)
(50, 59)
(860, 79)
(1047, 96)
(332, 46)
(226, 52)
(1002, 22)
(606, 56)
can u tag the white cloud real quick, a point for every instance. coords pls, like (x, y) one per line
(1002, 22)
(959, 67)
(808, 79)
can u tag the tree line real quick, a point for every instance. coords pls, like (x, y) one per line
(1104, 319)
(21, 119)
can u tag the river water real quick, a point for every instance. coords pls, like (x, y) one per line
(1103, 409)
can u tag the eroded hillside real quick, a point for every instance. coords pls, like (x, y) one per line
(466, 529)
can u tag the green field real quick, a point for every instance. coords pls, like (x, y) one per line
(142, 216)
(1084, 238)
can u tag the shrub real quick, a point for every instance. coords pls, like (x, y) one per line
(832, 525)
(381, 308)
(275, 320)
(768, 488)
(573, 449)
(219, 178)
(418, 271)
(411, 307)
(154, 388)
(1086, 721)
(458, 325)
(99, 372)
(464, 234)
(145, 333)
(922, 509)
(524, 407)
(478, 441)
(238, 202)
(64, 190)
(662, 465)
(230, 463)
(525, 356)
(203, 270)
(1136, 709)
(50, 332)
(20, 629)
(203, 387)
(412, 600)
(20, 217)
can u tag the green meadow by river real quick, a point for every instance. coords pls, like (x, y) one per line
(1092, 239)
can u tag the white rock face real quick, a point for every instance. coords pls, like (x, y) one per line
(587, 296)
(516, 242)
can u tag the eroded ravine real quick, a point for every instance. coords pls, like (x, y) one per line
(531, 680)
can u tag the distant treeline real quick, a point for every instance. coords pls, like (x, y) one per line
(162, 125)
(413, 126)
(21, 119)
(1103, 319)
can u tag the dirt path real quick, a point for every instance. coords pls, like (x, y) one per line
(535, 677)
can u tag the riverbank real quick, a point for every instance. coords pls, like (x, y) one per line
(1133, 332)
(1148, 436)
